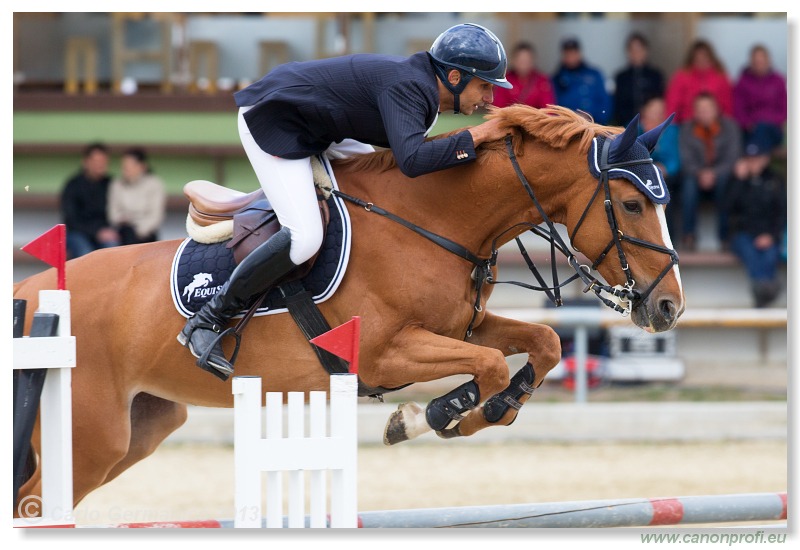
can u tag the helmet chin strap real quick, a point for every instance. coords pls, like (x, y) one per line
(455, 90)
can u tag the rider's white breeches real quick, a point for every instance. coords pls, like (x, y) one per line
(289, 187)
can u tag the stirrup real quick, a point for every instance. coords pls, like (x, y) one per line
(203, 360)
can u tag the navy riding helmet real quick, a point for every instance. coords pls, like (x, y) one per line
(474, 51)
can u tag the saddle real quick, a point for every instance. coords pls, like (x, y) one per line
(253, 219)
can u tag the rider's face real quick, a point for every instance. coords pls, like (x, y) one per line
(476, 94)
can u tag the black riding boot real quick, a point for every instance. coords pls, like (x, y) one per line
(260, 270)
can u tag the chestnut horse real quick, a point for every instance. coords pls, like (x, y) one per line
(416, 300)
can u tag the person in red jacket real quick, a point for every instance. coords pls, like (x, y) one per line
(702, 73)
(531, 87)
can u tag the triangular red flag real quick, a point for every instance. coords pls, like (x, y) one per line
(51, 248)
(342, 341)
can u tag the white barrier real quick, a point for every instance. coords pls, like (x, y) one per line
(58, 355)
(295, 453)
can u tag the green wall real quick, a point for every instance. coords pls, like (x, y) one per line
(47, 173)
(144, 128)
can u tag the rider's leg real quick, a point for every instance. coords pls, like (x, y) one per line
(289, 187)
(349, 147)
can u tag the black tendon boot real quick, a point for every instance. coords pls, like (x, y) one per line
(447, 410)
(521, 384)
(260, 270)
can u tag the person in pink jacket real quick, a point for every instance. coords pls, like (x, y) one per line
(531, 87)
(702, 73)
(759, 99)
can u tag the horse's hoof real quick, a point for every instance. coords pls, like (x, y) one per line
(404, 424)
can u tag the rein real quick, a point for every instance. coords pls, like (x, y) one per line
(482, 274)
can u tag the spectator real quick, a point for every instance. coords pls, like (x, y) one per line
(531, 87)
(84, 202)
(709, 145)
(579, 86)
(702, 72)
(666, 154)
(756, 203)
(759, 99)
(136, 200)
(637, 83)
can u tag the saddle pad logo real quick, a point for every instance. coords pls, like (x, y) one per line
(199, 287)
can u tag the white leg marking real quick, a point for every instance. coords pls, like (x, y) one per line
(414, 420)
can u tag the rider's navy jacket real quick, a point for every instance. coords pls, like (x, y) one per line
(301, 108)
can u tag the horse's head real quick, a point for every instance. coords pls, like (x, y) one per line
(612, 205)
(621, 227)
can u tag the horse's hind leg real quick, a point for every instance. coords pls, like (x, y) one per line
(152, 420)
(543, 347)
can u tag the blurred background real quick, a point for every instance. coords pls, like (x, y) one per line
(162, 83)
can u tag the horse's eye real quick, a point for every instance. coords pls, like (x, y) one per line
(632, 207)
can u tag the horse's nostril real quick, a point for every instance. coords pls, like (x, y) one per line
(667, 309)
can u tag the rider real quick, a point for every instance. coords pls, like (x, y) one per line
(303, 109)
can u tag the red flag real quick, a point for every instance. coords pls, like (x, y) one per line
(342, 341)
(51, 248)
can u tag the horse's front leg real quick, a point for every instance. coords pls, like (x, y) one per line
(417, 355)
(543, 347)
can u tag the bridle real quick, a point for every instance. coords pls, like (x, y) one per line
(627, 293)
(482, 274)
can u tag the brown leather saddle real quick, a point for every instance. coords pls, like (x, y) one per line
(254, 220)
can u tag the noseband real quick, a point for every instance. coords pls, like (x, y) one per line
(627, 294)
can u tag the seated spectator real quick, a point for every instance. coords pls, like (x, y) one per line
(709, 145)
(531, 87)
(702, 72)
(84, 204)
(136, 200)
(666, 154)
(756, 204)
(579, 86)
(637, 83)
(759, 99)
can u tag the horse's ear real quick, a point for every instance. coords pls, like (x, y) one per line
(650, 138)
(624, 141)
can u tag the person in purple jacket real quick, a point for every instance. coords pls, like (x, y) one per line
(302, 109)
(759, 99)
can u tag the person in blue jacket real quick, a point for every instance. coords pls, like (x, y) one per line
(301, 109)
(579, 86)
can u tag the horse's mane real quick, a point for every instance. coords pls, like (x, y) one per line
(554, 126)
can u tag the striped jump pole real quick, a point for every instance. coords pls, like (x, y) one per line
(641, 512)
(633, 512)
(295, 454)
